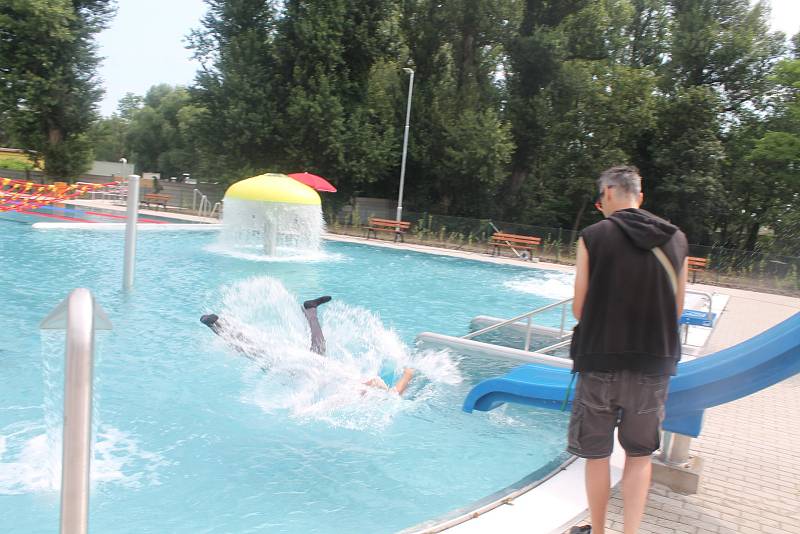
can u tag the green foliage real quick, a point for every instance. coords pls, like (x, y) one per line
(517, 106)
(49, 89)
(108, 137)
(157, 132)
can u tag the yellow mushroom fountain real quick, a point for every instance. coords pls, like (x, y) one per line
(273, 213)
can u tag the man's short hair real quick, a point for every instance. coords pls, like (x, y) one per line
(625, 178)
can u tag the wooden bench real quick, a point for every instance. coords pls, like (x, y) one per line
(514, 242)
(696, 265)
(387, 225)
(155, 198)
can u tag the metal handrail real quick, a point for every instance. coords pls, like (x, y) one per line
(205, 207)
(81, 317)
(195, 192)
(526, 315)
(705, 294)
(555, 346)
(215, 209)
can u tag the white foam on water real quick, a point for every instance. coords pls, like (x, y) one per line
(265, 323)
(285, 254)
(30, 462)
(558, 286)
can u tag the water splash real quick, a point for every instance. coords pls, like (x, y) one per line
(273, 229)
(266, 324)
(554, 285)
(31, 449)
(30, 460)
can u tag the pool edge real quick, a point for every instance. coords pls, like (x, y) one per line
(491, 501)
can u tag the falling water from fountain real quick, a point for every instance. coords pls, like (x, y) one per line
(272, 214)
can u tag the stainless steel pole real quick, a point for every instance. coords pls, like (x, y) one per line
(76, 457)
(130, 232)
(405, 146)
(80, 316)
(675, 450)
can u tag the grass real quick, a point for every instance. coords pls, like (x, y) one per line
(16, 162)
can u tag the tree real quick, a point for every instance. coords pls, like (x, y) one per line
(335, 62)
(686, 162)
(236, 120)
(724, 44)
(157, 132)
(776, 156)
(47, 75)
(108, 138)
(461, 143)
(536, 53)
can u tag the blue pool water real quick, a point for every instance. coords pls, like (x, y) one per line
(193, 437)
(74, 213)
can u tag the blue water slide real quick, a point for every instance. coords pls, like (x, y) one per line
(715, 379)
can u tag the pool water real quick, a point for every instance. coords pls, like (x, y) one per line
(193, 437)
(73, 213)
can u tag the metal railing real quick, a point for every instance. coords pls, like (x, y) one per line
(80, 316)
(204, 207)
(529, 328)
(216, 210)
(773, 269)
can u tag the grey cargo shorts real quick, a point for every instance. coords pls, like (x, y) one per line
(606, 399)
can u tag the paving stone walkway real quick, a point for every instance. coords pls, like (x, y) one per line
(751, 478)
(751, 448)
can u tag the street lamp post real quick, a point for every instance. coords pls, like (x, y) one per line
(405, 145)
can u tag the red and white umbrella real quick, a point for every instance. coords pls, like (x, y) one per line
(315, 182)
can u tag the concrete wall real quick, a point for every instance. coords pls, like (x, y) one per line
(367, 207)
(110, 168)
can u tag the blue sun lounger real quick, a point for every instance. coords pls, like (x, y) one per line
(724, 376)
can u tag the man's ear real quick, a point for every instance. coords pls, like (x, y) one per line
(641, 198)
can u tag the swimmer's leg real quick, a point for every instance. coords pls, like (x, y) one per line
(310, 311)
(402, 384)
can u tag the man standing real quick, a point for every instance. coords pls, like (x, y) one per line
(630, 282)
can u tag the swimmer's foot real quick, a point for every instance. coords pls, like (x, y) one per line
(316, 302)
(209, 320)
(212, 321)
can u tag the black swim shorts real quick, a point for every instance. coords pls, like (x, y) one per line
(632, 401)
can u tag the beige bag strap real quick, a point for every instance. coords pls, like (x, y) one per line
(673, 278)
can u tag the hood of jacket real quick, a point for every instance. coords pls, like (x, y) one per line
(643, 228)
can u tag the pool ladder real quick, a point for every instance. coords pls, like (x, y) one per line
(204, 208)
(469, 346)
(529, 328)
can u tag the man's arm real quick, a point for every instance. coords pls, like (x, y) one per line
(680, 294)
(581, 279)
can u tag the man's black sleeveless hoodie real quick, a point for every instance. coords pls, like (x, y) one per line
(629, 319)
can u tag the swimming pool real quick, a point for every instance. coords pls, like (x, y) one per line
(191, 437)
(73, 213)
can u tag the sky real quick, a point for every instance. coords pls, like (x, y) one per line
(145, 44)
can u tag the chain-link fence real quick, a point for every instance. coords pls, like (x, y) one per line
(726, 267)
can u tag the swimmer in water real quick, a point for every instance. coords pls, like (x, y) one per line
(242, 344)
